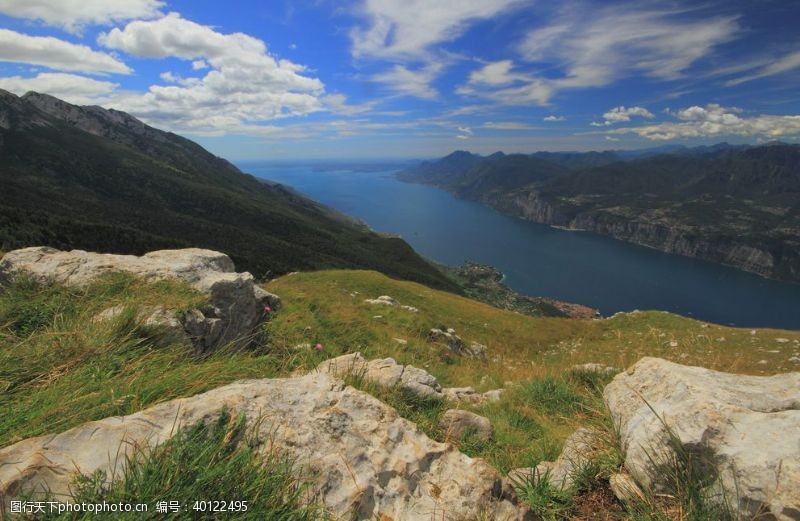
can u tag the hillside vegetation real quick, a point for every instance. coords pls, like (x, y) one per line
(60, 368)
(100, 180)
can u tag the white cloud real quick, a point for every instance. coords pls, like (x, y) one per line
(780, 65)
(530, 91)
(715, 120)
(56, 54)
(465, 130)
(507, 125)
(199, 65)
(622, 114)
(495, 73)
(408, 82)
(408, 29)
(69, 87)
(73, 15)
(337, 103)
(245, 86)
(553, 118)
(585, 46)
(595, 47)
(409, 32)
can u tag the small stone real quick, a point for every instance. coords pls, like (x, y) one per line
(625, 488)
(457, 423)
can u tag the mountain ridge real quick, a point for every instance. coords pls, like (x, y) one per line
(98, 179)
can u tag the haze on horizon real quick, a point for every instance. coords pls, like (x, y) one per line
(412, 78)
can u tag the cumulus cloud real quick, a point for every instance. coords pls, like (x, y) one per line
(56, 54)
(622, 114)
(411, 82)
(245, 84)
(714, 120)
(553, 118)
(69, 87)
(73, 15)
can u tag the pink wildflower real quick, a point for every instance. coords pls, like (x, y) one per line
(267, 309)
(318, 347)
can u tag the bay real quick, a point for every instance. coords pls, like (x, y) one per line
(538, 260)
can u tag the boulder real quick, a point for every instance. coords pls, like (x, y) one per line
(236, 305)
(456, 423)
(362, 460)
(742, 431)
(385, 373)
(152, 316)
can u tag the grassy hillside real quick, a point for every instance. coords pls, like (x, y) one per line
(84, 177)
(58, 368)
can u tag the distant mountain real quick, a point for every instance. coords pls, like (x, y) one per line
(734, 204)
(97, 179)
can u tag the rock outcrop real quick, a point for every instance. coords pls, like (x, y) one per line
(236, 306)
(386, 300)
(384, 372)
(743, 431)
(471, 396)
(456, 345)
(362, 460)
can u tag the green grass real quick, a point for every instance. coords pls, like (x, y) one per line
(203, 462)
(59, 368)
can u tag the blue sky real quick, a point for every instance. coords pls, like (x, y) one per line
(418, 78)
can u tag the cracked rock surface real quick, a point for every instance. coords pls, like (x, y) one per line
(743, 430)
(362, 459)
(236, 305)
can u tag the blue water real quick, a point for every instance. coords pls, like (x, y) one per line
(538, 260)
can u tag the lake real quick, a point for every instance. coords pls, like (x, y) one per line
(539, 260)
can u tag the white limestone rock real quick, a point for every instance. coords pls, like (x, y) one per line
(745, 430)
(361, 458)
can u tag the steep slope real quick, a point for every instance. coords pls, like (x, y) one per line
(736, 205)
(91, 178)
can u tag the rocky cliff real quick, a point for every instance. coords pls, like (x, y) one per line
(658, 233)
